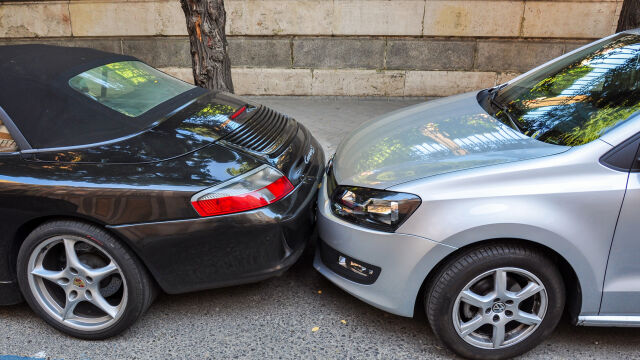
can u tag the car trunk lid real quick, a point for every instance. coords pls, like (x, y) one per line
(212, 118)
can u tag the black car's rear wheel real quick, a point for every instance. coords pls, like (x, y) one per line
(81, 280)
(495, 302)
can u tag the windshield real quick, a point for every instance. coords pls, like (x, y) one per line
(575, 100)
(129, 87)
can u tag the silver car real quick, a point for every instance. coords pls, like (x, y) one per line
(495, 211)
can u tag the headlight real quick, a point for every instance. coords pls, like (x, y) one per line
(377, 209)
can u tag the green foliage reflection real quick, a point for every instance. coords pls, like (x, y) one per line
(129, 87)
(575, 100)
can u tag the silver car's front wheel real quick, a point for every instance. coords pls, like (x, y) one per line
(500, 308)
(495, 301)
(82, 280)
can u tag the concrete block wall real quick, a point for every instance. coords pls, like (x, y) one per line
(332, 47)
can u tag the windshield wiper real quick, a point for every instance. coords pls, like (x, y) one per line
(503, 108)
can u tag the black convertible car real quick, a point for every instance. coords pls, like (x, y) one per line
(116, 178)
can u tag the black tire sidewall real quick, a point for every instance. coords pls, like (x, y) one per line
(458, 274)
(134, 274)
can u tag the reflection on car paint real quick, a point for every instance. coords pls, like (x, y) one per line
(432, 138)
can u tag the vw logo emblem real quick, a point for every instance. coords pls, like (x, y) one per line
(498, 307)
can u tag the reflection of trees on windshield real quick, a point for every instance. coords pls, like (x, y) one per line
(554, 85)
(574, 101)
(129, 87)
(597, 123)
(129, 73)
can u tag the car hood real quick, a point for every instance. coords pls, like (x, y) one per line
(436, 137)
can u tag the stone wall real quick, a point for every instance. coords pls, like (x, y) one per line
(332, 47)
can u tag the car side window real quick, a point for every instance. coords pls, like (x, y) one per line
(7, 144)
(636, 162)
(623, 157)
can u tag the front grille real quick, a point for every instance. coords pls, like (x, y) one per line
(265, 131)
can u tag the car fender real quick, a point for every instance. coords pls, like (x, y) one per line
(590, 282)
(568, 203)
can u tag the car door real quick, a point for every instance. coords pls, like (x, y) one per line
(621, 293)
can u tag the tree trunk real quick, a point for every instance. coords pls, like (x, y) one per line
(629, 15)
(205, 24)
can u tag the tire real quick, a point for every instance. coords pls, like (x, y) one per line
(470, 325)
(96, 293)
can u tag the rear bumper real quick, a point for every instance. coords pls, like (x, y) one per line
(205, 253)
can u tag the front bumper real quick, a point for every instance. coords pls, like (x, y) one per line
(404, 260)
(205, 253)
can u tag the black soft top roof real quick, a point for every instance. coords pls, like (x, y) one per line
(45, 63)
(35, 93)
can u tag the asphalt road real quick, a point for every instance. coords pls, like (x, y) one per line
(275, 318)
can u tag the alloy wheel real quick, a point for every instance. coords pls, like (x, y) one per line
(77, 282)
(500, 308)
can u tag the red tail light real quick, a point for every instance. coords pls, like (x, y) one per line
(254, 189)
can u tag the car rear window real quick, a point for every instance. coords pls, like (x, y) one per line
(129, 87)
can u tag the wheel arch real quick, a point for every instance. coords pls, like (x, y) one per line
(26, 228)
(571, 280)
